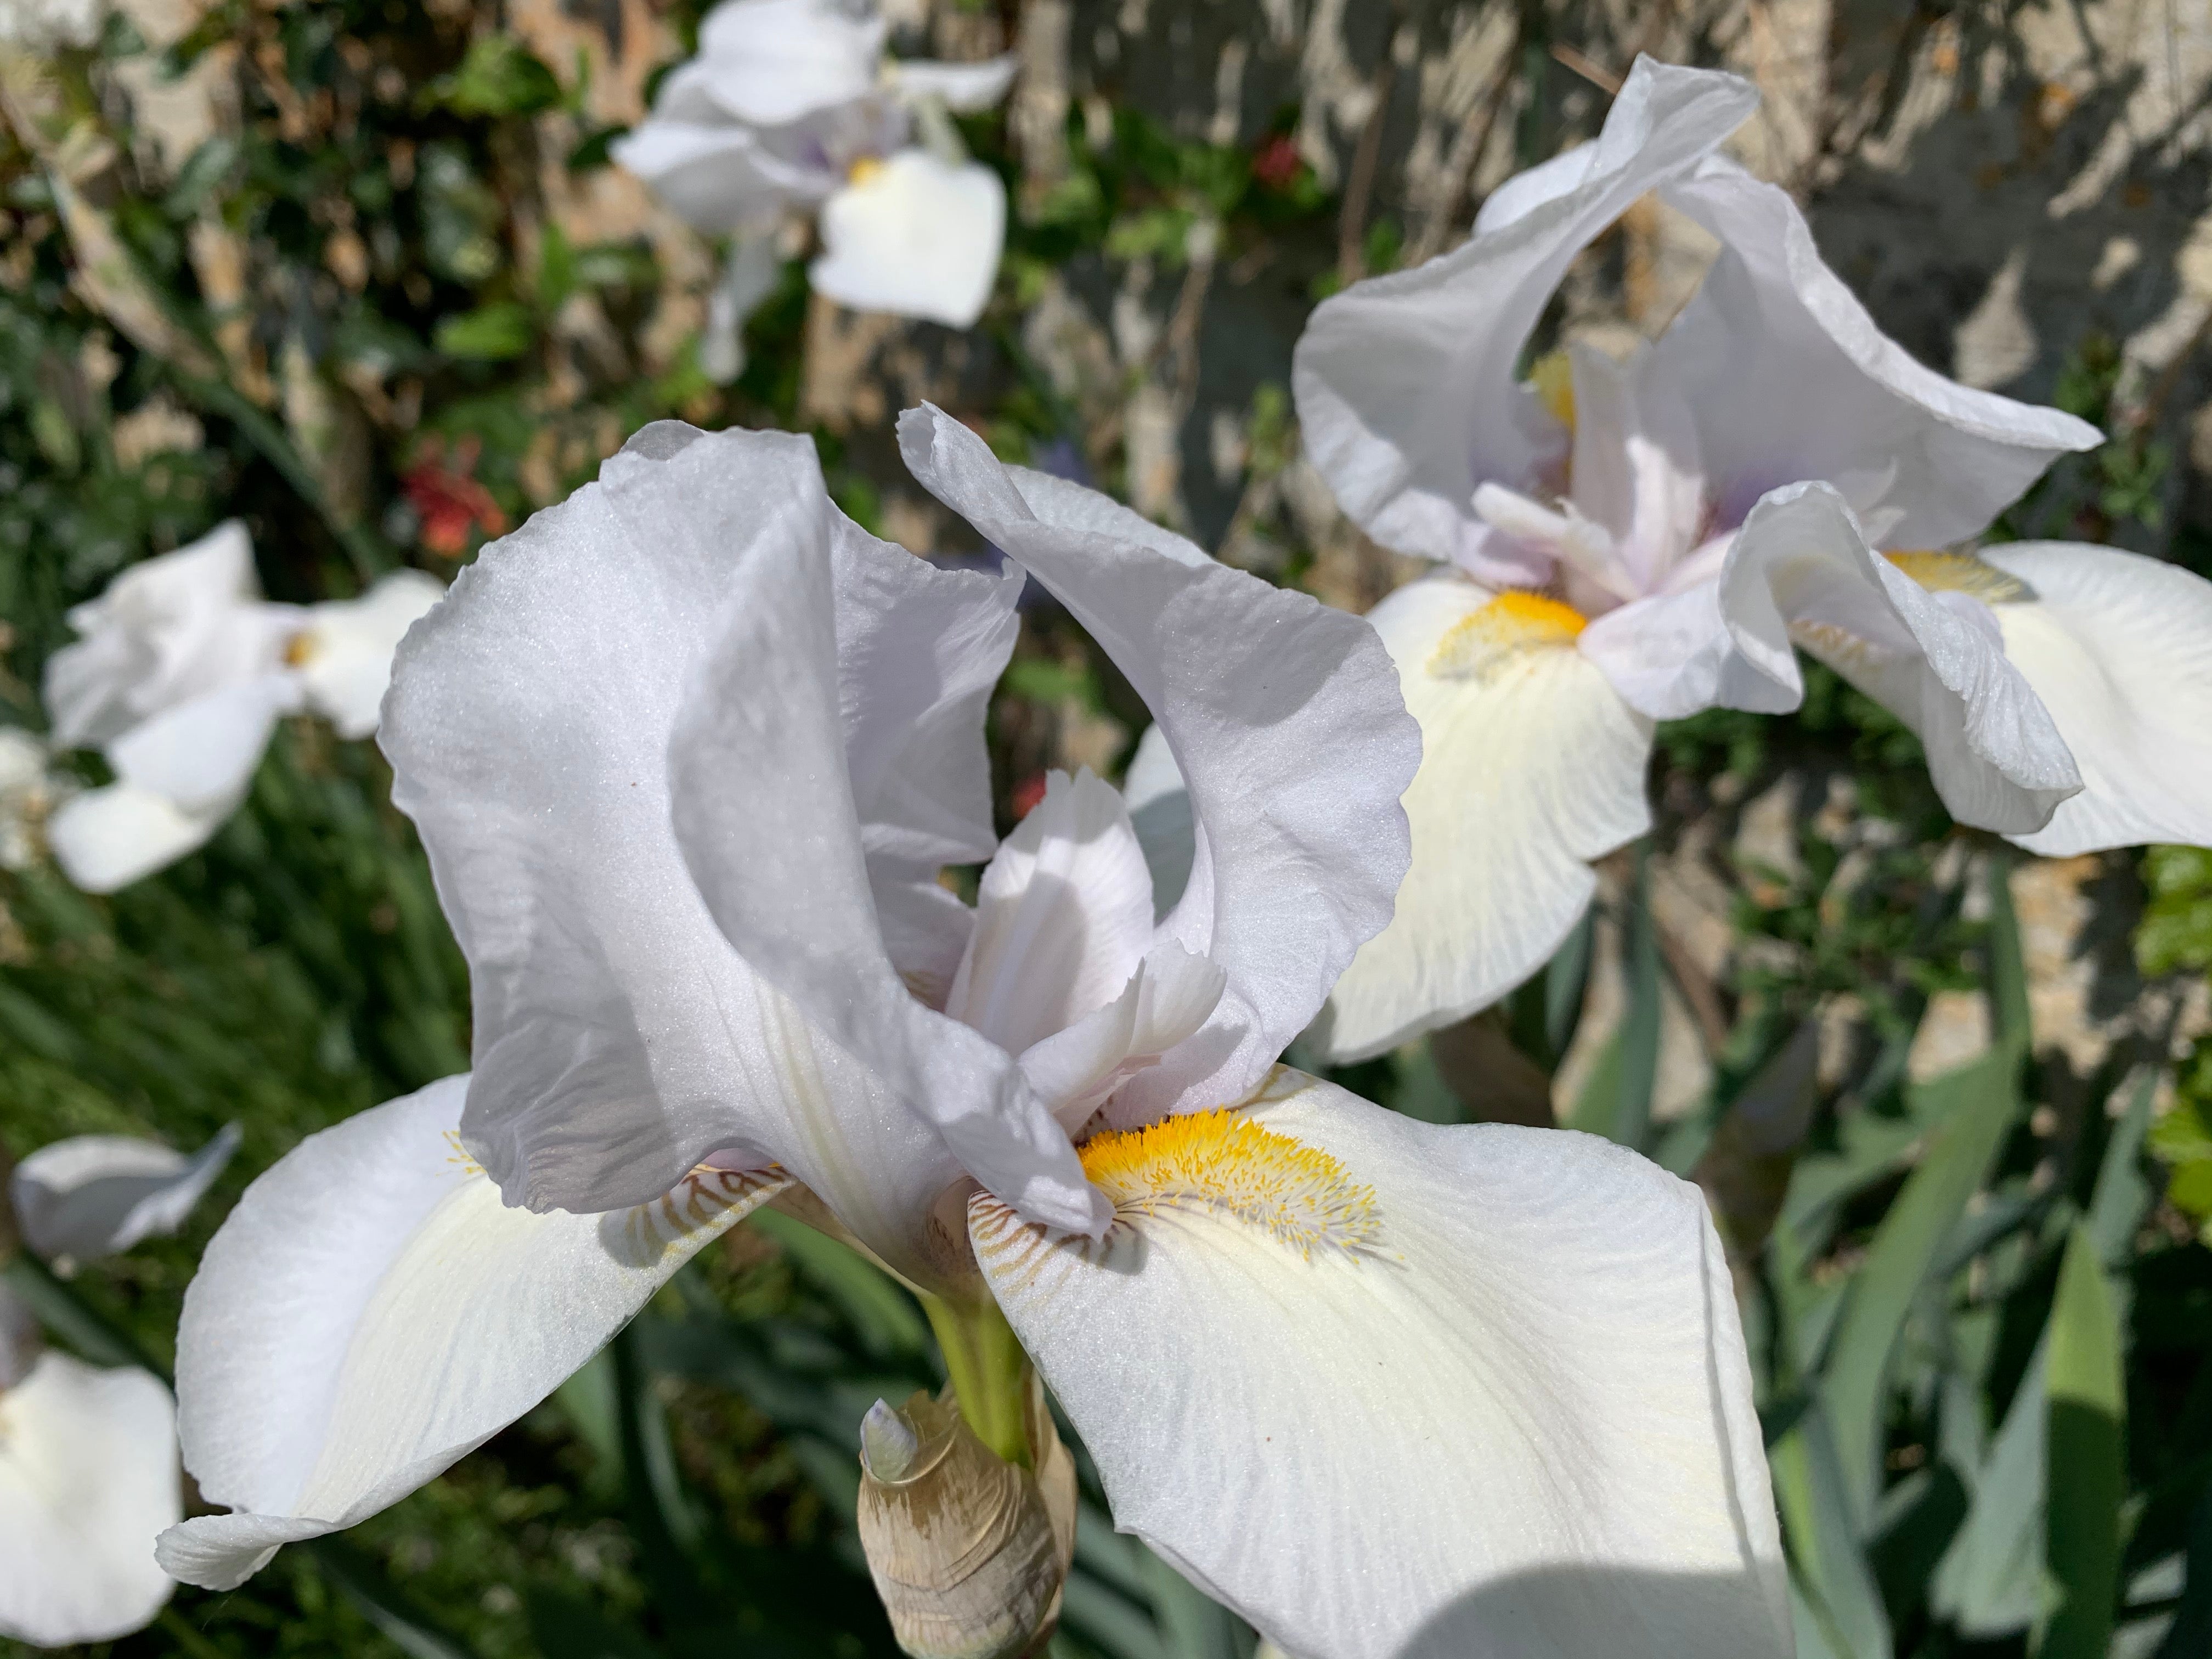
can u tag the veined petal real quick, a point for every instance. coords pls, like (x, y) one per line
(1531, 767)
(964, 88)
(913, 236)
(1404, 383)
(1801, 571)
(2118, 647)
(88, 1479)
(717, 178)
(1285, 718)
(1160, 812)
(1168, 999)
(202, 753)
(93, 1195)
(165, 630)
(619, 1039)
(344, 654)
(1412, 1390)
(773, 61)
(1790, 379)
(371, 1312)
(763, 810)
(1637, 467)
(1063, 917)
(105, 839)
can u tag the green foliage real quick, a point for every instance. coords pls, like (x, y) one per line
(2176, 931)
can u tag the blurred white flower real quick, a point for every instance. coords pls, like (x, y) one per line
(89, 1196)
(687, 753)
(88, 1472)
(792, 104)
(179, 674)
(45, 25)
(1628, 542)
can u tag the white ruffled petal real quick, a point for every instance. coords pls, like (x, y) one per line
(2119, 649)
(1284, 718)
(93, 1196)
(1405, 384)
(913, 236)
(1412, 1391)
(166, 630)
(1167, 999)
(1063, 916)
(964, 88)
(371, 1312)
(1788, 379)
(88, 1481)
(1532, 767)
(105, 839)
(763, 811)
(771, 62)
(717, 178)
(344, 653)
(619, 1038)
(1801, 571)
(202, 753)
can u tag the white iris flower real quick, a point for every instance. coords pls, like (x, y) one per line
(689, 752)
(179, 675)
(792, 103)
(1627, 542)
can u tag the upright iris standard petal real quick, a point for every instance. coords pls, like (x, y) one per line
(618, 1038)
(1788, 379)
(371, 1312)
(917, 651)
(92, 1195)
(88, 1481)
(1063, 916)
(718, 179)
(1412, 1391)
(763, 809)
(1406, 384)
(1531, 767)
(342, 652)
(915, 236)
(1286, 722)
(1801, 572)
(2118, 647)
(771, 62)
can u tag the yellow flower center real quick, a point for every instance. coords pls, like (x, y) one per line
(1552, 378)
(1225, 1161)
(1487, 640)
(864, 169)
(1961, 572)
(301, 650)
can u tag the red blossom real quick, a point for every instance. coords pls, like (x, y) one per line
(451, 504)
(1276, 163)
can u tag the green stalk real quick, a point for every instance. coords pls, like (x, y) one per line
(990, 1373)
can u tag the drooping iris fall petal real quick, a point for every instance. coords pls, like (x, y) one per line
(371, 1312)
(1393, 1391)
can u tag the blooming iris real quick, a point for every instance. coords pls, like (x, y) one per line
(792, 103)
(1625, 541)
(689, 753)
(179, 676)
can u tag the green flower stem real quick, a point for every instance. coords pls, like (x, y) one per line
(989, 1371)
